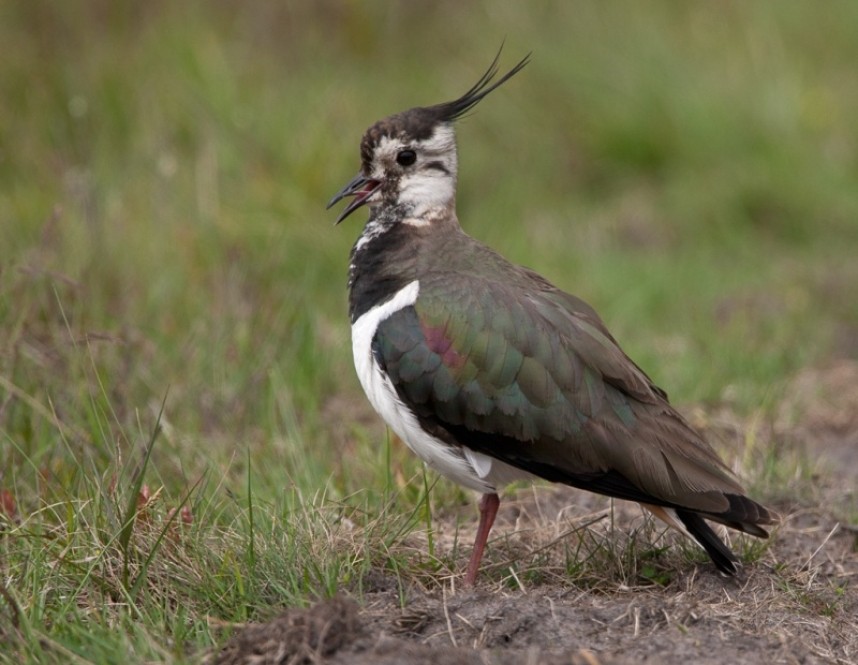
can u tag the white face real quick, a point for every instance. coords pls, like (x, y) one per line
(429, 182)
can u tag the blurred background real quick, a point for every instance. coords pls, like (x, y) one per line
(690, 169)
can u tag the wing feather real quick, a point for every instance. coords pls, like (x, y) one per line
(529, 375)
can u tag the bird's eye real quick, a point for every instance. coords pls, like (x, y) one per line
(406, 157)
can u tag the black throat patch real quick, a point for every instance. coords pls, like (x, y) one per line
(383, 260)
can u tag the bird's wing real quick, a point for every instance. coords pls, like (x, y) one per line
(530, 376)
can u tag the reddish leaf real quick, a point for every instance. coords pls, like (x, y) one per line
(143, 497)
(187, 515)
(8, 507)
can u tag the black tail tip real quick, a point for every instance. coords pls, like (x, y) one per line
(721, 555)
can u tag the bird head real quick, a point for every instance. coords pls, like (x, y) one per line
(409, 159)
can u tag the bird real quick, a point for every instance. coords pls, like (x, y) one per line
(489, 372)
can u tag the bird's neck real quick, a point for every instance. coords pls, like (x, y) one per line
(386, 256)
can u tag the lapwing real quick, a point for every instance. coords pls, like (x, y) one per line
(488, 372)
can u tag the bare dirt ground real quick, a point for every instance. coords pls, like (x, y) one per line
(638, 601)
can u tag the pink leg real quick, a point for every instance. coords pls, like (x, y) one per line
(488, 510)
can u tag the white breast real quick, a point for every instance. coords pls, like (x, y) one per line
(448, 460)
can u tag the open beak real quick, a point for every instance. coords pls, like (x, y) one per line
(361, 188)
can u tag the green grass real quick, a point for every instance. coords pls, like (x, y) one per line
(688, 169)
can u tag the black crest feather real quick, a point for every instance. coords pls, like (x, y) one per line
(420, 122)
(450, 111)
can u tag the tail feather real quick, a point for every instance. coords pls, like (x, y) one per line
(745, 515)
(721, 555)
